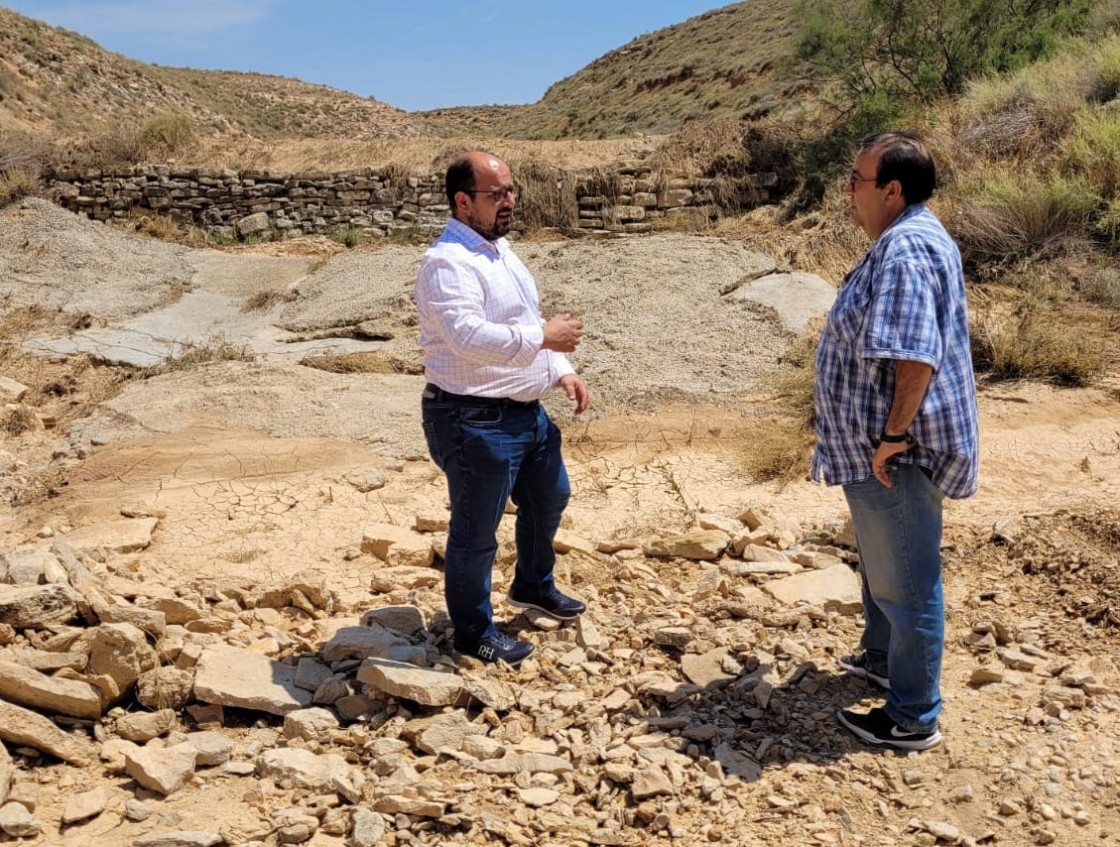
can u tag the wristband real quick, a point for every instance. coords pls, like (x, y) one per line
(903, 438)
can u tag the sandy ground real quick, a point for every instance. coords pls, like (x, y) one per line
(250, 467)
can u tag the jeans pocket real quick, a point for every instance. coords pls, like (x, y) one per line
(480, 416)
(433, 443)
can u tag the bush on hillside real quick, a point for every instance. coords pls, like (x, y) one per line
(923, 50)
(1013, 215)
(1032, 343)
(165, 134)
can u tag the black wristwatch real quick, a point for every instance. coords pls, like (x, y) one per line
(903, 438)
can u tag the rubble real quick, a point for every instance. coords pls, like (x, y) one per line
(656, 718)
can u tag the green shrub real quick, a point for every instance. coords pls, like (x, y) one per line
(349, 236)
(1093, 150)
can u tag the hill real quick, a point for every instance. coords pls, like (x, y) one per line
(59, 82)
(732, 61)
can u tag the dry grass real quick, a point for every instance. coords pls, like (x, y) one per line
(17, 184)
(264, 301)
(215, 349)
(373, 362)
(411, 155)
(19, 419)
(778, 447)
(1036, 341)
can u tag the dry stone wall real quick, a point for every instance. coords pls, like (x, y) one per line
(375, 203)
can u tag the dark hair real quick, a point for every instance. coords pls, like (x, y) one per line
(460, 177)
(905, 157)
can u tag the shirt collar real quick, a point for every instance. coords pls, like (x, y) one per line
(471, 239)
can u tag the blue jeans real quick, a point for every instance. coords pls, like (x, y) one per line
(898, 531)
(490, 454)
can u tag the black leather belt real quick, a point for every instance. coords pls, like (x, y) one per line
(434, 392)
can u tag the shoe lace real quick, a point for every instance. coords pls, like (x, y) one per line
(501, 641)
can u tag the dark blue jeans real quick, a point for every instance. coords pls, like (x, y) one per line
(490, 454)
(898, 531)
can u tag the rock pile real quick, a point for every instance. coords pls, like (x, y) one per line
(690, 704)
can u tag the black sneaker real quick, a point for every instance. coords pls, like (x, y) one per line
(877, 728)
(859, 665)
(555, 604)
(499, 647)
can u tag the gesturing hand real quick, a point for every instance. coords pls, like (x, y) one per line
(562, 333)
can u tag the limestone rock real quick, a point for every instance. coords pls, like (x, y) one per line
(361, 642)
(23, 727)
(832, 589)
(403, 620)
(393, 578)
(17, 822)
(396, 545)
(309, 724)
(700, 544)
(7, 769)
(304, 769)
(161, 769)
(184, 838)
(211, 748)
(27, 687)
(367, 828)
(164, 688)
(121, 536)
(229, 676)
(141, 727)
(84, 805)
(120, 652)
(37, 606)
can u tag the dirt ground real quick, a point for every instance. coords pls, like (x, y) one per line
(250, 467)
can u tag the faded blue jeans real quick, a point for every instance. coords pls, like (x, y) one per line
(490, 454)
(898, 531)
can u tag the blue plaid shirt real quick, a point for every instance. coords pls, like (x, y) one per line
(905, 300)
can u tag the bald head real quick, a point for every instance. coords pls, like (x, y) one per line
(480, 193)
(464, 172)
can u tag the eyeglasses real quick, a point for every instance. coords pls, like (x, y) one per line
(855, 179)
(495, 194)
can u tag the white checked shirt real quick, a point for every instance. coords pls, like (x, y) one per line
(480, 320)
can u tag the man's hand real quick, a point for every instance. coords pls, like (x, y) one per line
(882, 456)
(576, 389)
(562, 333)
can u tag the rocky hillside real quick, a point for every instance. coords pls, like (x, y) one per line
(54, 80)
(730, 61)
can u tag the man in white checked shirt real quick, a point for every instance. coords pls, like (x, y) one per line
(489, 357)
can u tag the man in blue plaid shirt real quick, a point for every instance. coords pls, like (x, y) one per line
(896, 422)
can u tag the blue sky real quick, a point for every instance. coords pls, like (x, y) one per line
(414, 54)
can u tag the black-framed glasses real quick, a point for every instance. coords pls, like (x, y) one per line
(495, 194)
(855, 179)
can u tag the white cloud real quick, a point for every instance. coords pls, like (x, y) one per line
(160, 19)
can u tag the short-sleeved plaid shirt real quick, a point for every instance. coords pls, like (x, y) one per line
(905, 300)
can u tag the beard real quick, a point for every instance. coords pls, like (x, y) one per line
(492, 230)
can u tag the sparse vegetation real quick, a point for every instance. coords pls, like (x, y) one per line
(1029, 343)
(264, 301)
(215, 349)
(373, 362)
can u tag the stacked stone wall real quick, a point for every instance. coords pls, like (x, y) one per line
(378, 203)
